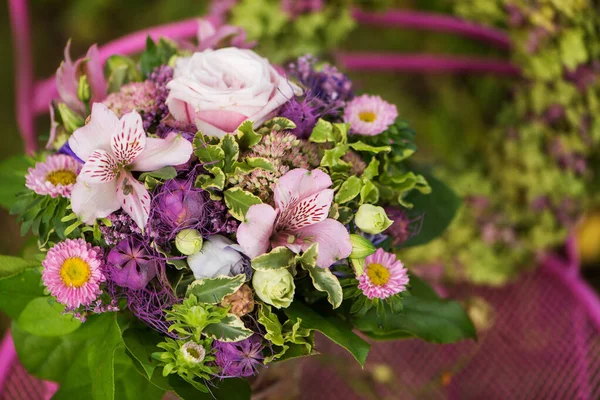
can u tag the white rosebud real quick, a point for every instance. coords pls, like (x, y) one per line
(372, 219)
(218, 257)
(188, 241)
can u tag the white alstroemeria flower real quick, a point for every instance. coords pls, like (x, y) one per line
(111, 148)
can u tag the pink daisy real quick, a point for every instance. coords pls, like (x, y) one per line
(55, 176)
(72, 272)
(384, 276)
(369, 115)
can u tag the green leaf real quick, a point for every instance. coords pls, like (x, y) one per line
(230, 329)
(231, 151)
(207, 153)
(44, 317)
(278, 258)
(12, 176)
(279, 124)
(18, 291)
(11, 266)
(289, 336)
(141, 343)
(246, 135)
(155, 55)
(121, 70)
(372, 169)
(369, 194)
(340, 132)
(226, 389)
(165, 173)
(212, 290)
(360, 146)
(438, 209)
(424, 315)
(361, 246)
(332, 327)
(332, 158)
(217, 181)
(349, 190)
(238, 202)
(324, 281)
(322, 132)
(260, 162)
(74, 359)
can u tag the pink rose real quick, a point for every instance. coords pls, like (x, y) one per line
(219, 89)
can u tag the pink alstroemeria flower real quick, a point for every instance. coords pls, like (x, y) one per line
(302, 201)
(67, 78)
(111, 148)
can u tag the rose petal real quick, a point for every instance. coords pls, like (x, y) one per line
(218, 122)
(253, 234)
(96, 134)
(158, 153)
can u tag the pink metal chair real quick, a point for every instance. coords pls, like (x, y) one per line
(544, 343)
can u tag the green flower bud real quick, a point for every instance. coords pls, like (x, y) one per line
(83, 89)
(372, 219)
(361, 247)
(70, 119)
(275, 287)
(189, 241)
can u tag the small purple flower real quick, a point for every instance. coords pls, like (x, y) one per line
(304, 113)
(131, 264)
(328, 85)
(178, 205)
(239, 359)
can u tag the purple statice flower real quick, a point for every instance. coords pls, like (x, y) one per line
(327, 85)
(304, 113)
(122, 227)
(188, 131)
(239, 359)
(160, 77)
(132, 263)
(178, 205)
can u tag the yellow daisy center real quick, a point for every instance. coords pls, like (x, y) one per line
(367, 116)
(61, 177)
(378, 274)
(75, 272)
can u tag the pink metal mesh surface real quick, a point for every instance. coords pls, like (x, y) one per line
(543, 344)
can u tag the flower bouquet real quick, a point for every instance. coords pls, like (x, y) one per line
(200, 213)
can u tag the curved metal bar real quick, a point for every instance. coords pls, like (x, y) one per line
(24, 81)
(425, 63)
(434, 22)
